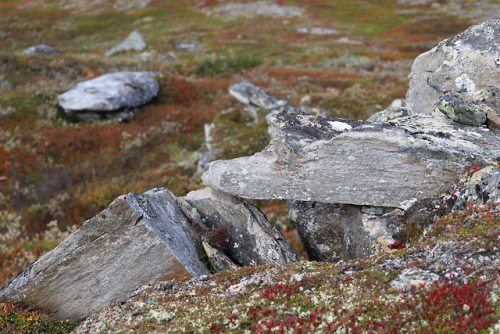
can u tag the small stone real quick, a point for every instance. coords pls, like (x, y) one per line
(134, 41)
(41, 49)
(493, 119)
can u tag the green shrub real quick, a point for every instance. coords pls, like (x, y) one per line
(224, 65)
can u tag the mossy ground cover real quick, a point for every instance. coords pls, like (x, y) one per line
(55, 173)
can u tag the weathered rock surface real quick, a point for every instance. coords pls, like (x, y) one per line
(134, 41)
(365, 231)
(465, 66)
(219, 260)
(386, 115)
(136, 240)
(331, 160)
(110, 96)
(238, 229)
(320, 229)
(462, 111)
(482, 188)
(41, 49)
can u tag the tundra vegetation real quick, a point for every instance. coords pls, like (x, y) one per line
(56, 173)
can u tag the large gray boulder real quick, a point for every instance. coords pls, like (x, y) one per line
(330, 160)
(134, 41)
(110, 96)
(465, 66)
(237, 228)
(137, 239)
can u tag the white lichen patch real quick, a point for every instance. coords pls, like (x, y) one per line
(339, 126)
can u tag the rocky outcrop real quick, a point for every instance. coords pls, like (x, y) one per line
(237, 228)
(136, 240)
(465, 66)
(110, 96)
(41, 49)
(331, 160)
(134, 41)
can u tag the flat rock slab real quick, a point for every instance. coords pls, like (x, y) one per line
(138, 239)
(239, 229)
(330, 160)
(465, 66)
(111, 95)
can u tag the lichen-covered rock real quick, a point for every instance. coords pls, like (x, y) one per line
(365, 231)
(386, 115)
(238, 229)
(134, 41)
(465, 66)
(482, 188)
(462, 111)
(41, 49)
(331, 160)
(110, 96)
(137, 239)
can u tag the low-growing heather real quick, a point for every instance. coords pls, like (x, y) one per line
(17, 320)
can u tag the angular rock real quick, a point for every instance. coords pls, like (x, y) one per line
(320, 229)
(41, 49)
(219, 260)
(462, 111)
(238, 229)
(331, 160)
(465, 66)
(137, 239)
(255, 98)
(110, 96)
(333, 232)
(134, 41)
